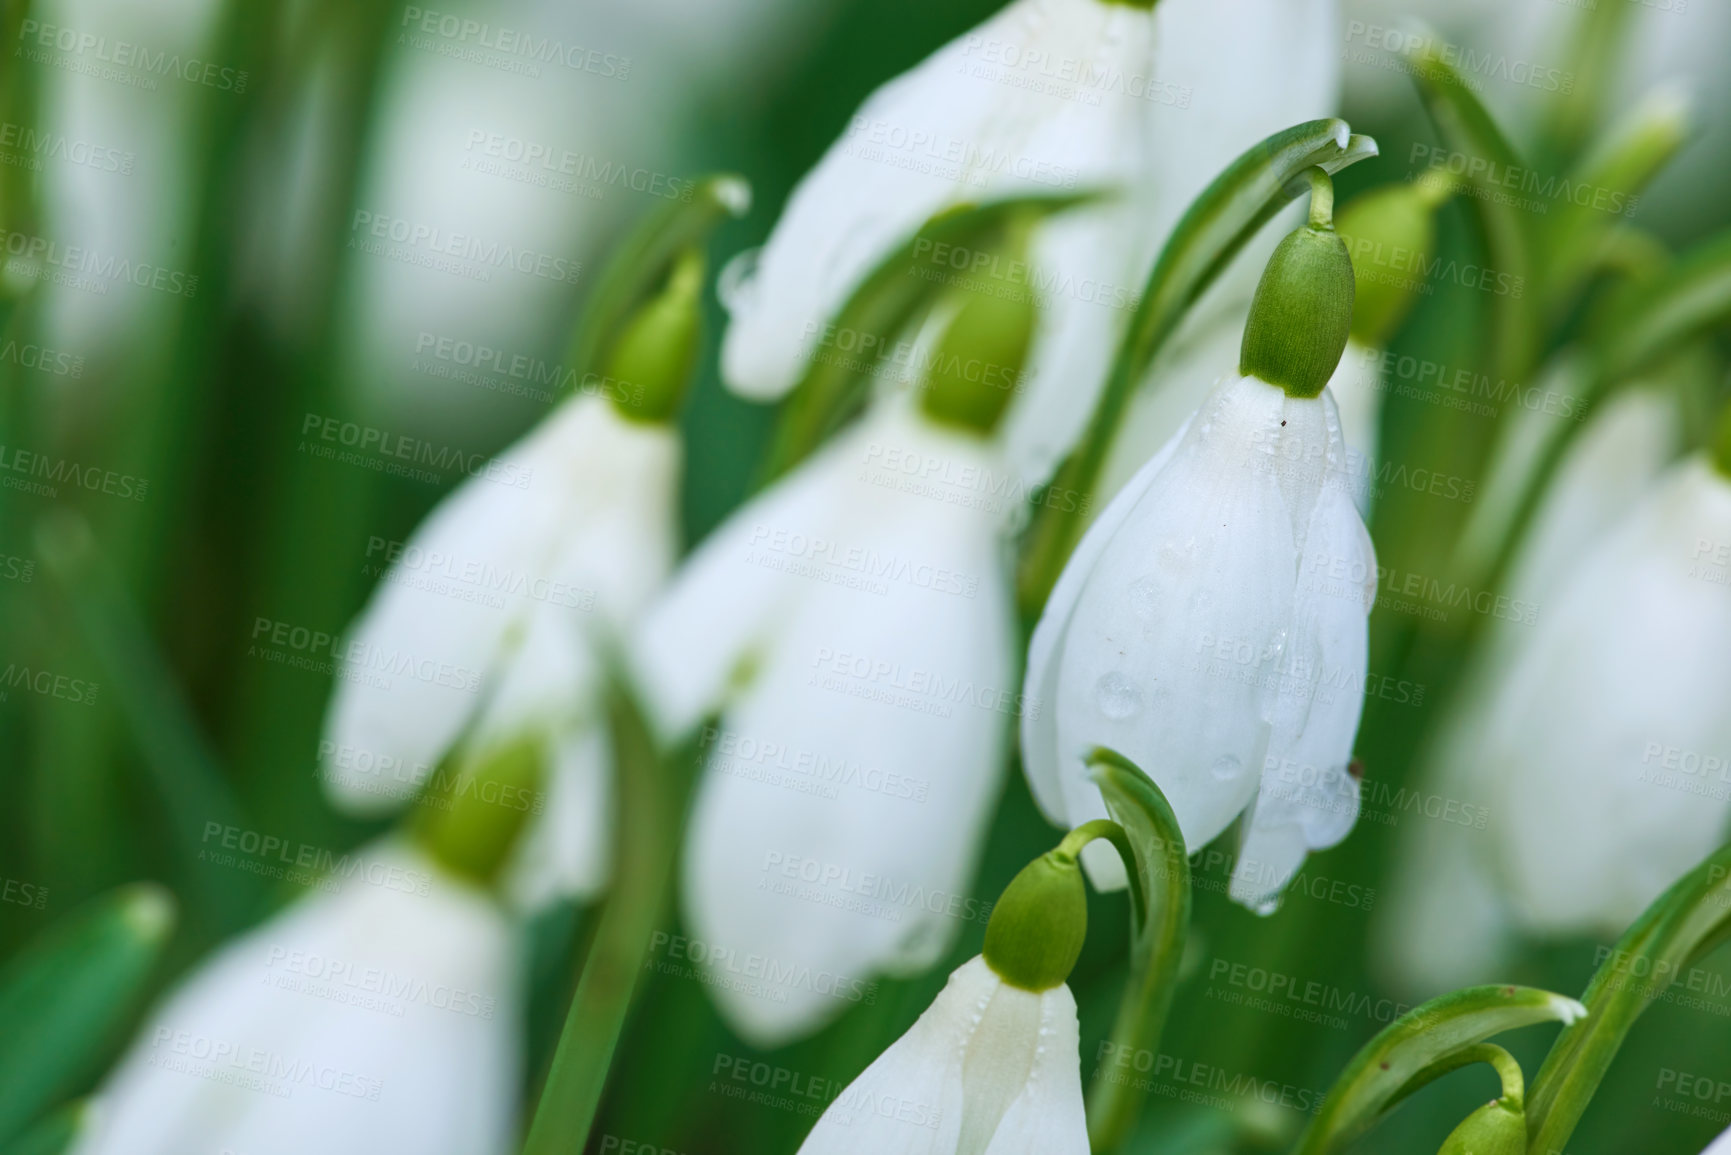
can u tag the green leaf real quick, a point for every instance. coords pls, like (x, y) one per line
(1159, 870)
(1469, 129)
(183, 768)
(641, 264)
(884, 304)
(1419, 1044)
(65, 998)
(1231, 210)
(1681, 926)
(1655, 318)
(652, 791)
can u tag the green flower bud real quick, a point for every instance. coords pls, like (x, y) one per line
(1390, 233)
(1498, 1128)
(469, 821)
(652, 361)
(1037, 929)
(1302, 311)
(979, 360)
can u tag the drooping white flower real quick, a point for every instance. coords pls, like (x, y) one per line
(1449, 918)
(1047, 96)
(483, 626)
(989, 1068)
(852, 627)
(1192, 631)
(380, 1017)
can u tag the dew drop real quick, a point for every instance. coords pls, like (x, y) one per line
(1117, 696)
(1226, 767)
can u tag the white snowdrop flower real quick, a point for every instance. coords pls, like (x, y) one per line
(1199, 628)
(379, 1017)
(1719, 1146)
(852, 627)
(981, 119)
(1449, 918)
(484, 621)
(988, 1068)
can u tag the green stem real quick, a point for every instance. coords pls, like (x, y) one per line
(1321, 199)
(1152, 846)
(647, 837)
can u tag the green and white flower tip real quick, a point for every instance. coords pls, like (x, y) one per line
(438, 1075)
(1183, 632)
(654, 357)
(1301, 314)
(1212, 97)
(992, 1068)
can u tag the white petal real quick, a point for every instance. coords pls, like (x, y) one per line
(1628, 665)
(1048, 1116)
(1040, 726)
(937, 136)
(589, 534)
(380, 1018)
(848, 786)
(919, 1077)
(1357, 388)
(566, 852)
(1174, 650)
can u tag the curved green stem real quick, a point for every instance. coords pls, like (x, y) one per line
(651, 799)
(1321, 199)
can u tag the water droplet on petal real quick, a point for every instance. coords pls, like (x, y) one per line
(1117, 696)
(1226, 767)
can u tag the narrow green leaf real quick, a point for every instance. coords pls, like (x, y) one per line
(1470, 130)
(1159, 870)
(65, 999)
(184, 769)
(1681, 926)
(1423, 1039)
(642, 261)
(1655, 318)
(652, 793)
(1217, 225)
(884, 304)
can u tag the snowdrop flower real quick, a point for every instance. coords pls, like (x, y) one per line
(380, 1015)
(1719, 1146)
(482, 630)
(981, 119)
(1188, 630)
(1588, 735)
(852, 627)
(993, 1065)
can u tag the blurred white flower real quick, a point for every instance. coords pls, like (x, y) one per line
(852, 626)
(1047, 96)
(988, 1068)
(1719, 1146)
(1197, 631)
(1597, 741)
(483, 626)
(382, 1017)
